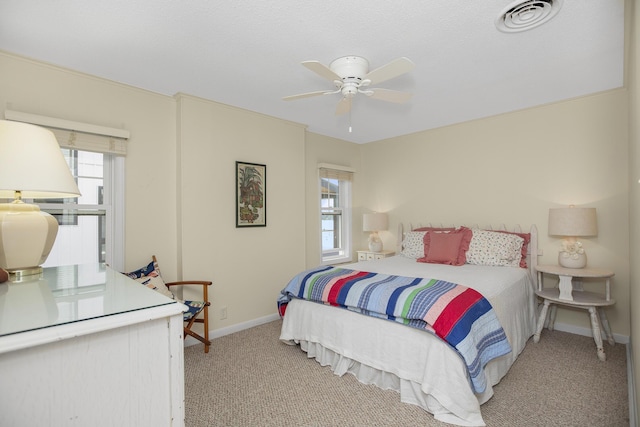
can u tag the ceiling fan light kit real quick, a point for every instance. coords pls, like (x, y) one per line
(350, 75)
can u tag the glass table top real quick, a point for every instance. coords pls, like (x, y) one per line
(69, 294)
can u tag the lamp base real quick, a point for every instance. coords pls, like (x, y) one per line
(23, 275)
(375, 243)
(567, 260)
(26, 237)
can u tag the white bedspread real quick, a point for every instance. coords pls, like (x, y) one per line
(423, 368)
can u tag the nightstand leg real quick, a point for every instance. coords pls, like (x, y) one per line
(605, 327)
(541, 319)
(597, 336)
(552, 317)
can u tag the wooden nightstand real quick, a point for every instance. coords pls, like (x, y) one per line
(368, 255)
(570, 293)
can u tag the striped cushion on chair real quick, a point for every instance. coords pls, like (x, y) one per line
(195, 307)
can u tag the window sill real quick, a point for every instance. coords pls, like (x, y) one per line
(337, 260)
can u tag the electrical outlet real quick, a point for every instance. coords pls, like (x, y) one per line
(223, 313)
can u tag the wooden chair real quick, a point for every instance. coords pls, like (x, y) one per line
(198, 311)
(195, 308)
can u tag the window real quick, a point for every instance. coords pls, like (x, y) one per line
(335, 214)
(88, 230)
(91, 227)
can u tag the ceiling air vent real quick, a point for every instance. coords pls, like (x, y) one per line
(525, 15)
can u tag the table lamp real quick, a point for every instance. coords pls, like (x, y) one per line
(375, 222)
(31, 167)
(572, 222)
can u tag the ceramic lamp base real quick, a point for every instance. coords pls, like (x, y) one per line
(568, 260)
(26, 237)
(375, 243)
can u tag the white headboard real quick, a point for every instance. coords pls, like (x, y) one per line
(532, 251)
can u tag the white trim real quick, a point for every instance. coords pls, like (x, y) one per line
(631, 385)
(76, 329)
(54, 122)
(118, 211)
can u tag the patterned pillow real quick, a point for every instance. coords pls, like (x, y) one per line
(413, 244)
(494, 248)
(150, 277)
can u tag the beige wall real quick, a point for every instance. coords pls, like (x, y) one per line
(633, 39)
(510, 169)
(248, 266)
(38, 88)
(180, 180)
(180, 185)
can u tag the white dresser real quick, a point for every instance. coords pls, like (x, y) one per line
(84, 345)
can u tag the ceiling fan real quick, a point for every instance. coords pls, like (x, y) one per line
(351, 75)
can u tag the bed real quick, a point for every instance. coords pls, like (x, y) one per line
(425, 369)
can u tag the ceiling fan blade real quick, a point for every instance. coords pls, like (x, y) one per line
(308, 94)
(389, 95)
(322, 70)
(344, 106)
(392, 69)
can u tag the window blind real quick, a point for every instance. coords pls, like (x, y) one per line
(89, 142)
(77, 135)
(342, 173)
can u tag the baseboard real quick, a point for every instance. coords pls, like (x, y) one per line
(578, 330)
(234, 328)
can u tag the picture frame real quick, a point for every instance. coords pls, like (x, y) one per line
(251, 195)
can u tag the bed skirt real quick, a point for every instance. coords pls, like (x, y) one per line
(424, 369)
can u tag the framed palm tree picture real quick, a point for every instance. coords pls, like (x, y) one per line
(251, 195)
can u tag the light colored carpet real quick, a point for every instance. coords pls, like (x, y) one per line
(250, 378)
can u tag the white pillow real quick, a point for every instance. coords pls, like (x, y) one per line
(493, 248)
(413, 244)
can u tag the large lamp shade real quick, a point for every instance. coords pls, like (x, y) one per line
(31, 167)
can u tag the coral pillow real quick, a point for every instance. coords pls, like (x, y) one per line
(446, 247)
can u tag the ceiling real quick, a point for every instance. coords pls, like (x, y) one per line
(247, 53)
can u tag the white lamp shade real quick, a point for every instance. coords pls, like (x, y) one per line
(31, 167)
(573, 222)
(31, 162)
(375, 222)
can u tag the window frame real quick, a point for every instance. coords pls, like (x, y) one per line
(111, 208)
(345, 186)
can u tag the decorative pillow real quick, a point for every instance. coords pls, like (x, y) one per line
(413, 244)
(494, 248)
(446, 247)
(150, 277)
(525, 245)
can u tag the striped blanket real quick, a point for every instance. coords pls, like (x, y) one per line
(459, 315)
